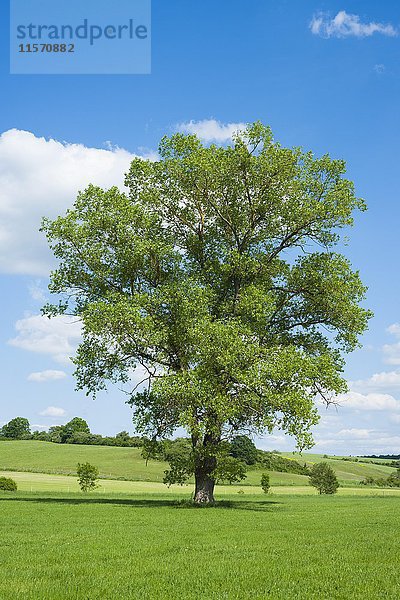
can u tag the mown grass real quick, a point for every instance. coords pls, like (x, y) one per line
(95, 547)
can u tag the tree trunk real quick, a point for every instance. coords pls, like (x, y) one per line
(205, 464)
(204, 490)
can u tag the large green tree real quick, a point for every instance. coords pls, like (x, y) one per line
(17, 429)
(217, 275)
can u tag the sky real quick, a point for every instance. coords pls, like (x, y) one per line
(324, 75)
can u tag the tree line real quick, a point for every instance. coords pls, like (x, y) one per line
(76, 431)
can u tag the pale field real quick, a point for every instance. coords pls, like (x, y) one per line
(43, 482)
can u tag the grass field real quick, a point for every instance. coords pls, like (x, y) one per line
(100, 547)
(127, 463)
(43, 482)
(137, 539)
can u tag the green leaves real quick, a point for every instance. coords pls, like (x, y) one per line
(216, 275)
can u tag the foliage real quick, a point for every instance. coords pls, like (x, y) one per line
(392, 481)
(179, 454)
(323, 477)
(265, 484)
(76, 425)
(275, 462)
(229, 470)
(16, 429)
(87, 476)
(243, 448)
(218, 274)
(7, 484)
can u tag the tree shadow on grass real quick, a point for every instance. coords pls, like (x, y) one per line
(257, 505)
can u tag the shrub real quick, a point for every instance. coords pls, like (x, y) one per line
(87, 476)
(265, 483)
(323, 477)
(7, 484)
(274, 462)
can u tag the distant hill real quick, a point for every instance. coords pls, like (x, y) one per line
(127, 463)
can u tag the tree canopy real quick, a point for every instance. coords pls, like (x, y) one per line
(216, 276)
(16, 429)
(323, 477)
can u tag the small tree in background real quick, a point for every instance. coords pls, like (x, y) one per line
(243, 449)
(323, 478)
(229, 470)
(72, 427)
(7, 484)
(265, 483)
(87, 476)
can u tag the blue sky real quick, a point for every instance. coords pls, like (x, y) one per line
(323, 75)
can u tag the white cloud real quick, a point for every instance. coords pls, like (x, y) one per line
(210, 130)
(354, 433)
(58, 337)
(395, 418)
(371, 401)
(49, 375)
(346, 25)
(36, 291)
(379, 69)
(391, 352)
(383, 380)
(53, 411)
(40, 177)
(394, 329)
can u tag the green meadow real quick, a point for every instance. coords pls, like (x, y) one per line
(58, 546)
(134, 538)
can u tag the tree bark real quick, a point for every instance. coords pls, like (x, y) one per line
(204, 490)
(205, 464)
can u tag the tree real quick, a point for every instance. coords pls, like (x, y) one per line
(216, 274)
(55, 433)
(76, 425)
(87, 476)
(243, 449)
(7, 484)
(229, 470)
(17, 429)
(323, 477)
(265, 483)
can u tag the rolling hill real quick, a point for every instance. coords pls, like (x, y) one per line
(127, 463)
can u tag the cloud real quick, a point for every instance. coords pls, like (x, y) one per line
(49, 375)
(354, 433)
(36, 291)
(58, 337)
(379, 69)
(210, 130)
(394, 329)
(40, 177)
(392, 351)
(347, 25)
(53, 411)
(371, 401)
(383, 380)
